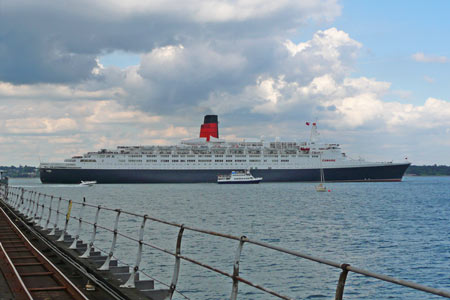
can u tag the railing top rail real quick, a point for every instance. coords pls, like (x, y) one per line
(342, 266)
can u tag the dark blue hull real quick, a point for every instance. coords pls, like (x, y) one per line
(388, 172)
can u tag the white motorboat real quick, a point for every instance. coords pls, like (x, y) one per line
(88, 183)
(238, 177)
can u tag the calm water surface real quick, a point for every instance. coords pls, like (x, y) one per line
(397, 229)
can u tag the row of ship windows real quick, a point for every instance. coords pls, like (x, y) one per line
(189, 160)
(200, 160)
(216, 156)
(200, 155)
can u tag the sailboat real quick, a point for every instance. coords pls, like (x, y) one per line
(321, 187)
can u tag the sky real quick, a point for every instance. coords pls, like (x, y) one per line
(79, 76)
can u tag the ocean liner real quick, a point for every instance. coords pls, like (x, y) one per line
(203, 159)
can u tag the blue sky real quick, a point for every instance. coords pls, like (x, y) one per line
(392, 31)
(375, 75)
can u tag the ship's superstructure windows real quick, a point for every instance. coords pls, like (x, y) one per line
(198, 154)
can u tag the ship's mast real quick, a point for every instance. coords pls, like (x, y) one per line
(314, 135)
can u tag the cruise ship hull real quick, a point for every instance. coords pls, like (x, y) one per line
(387, 172)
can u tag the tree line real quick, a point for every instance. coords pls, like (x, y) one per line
(433, 170)
(20, 171)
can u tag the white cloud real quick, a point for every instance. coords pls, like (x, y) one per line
(55, 92)
(170, 132)
(426, 58)
(39, 125)
(57, 53)
(330, 52)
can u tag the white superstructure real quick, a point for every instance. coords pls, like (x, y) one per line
(216, 154)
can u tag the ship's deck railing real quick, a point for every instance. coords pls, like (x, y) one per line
(39, 208)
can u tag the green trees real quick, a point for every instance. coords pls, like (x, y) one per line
(433, 170)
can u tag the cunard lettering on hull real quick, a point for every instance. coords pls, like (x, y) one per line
(203, 158)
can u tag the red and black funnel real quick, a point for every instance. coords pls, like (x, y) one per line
(209, 127)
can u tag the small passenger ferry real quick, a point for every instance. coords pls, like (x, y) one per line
(238, 177)
(88, 183)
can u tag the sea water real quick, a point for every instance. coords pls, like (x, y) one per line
(400, 229)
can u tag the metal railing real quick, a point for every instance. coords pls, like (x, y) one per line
(38, 207)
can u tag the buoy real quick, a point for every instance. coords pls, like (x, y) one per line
(329, 190)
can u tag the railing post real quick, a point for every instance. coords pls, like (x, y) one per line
(341, 282)
(130, 281)
(31, 206)
(25, 202)
(176, 268)
(41, 218)
(105, 266)
(47, 224)
(20, 199)
(69, 208)
(30, 201)
(53, 232)
(7, 193)
(94, 232)
(237, 259)
(35, 209)
(13, 195)
(80, 220)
